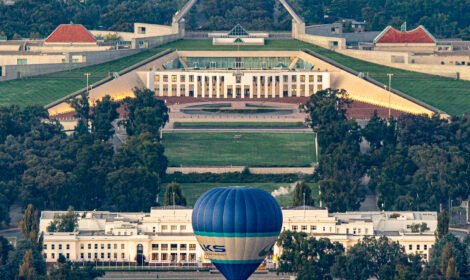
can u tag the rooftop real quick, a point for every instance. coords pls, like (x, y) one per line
(419, 35)
(70, 33)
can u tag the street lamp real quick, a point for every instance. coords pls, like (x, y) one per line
(87, 79)
(389, 94)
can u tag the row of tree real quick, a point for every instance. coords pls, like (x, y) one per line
(43, 166)
(413, 162)
(371, 258)
(25, 261)
(38, 18)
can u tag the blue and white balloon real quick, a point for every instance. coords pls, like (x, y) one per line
(236, 227)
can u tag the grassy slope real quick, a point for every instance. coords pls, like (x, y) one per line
(252, 149)
(448, 95)
(192, 191)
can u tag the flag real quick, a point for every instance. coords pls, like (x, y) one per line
(403, 27)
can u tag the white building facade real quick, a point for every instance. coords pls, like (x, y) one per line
(164, 237)
(269, 83)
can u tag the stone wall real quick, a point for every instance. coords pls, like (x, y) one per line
(427, 65)
(11, 72)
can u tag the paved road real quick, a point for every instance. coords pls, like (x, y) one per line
(182, 276)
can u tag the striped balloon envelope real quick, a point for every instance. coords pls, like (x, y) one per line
(236, 227)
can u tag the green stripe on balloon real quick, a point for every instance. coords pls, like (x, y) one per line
(236, 261)
(235, 234)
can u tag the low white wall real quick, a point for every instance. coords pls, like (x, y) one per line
(323, 41)
(386, 59)
(253, 170)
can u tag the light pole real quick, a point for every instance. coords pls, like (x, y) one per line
(389, 94)
(87, 79)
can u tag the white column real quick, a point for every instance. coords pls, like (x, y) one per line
(251, 87)
(281, 86)
(186, 84)
(211, 84)
(298, 84)
(265, 86)
(258, 86)
(273, 86)
(160, 85)
(178, 85)
(289, 84)
(217, 89)
(203, 82)
(225, 90)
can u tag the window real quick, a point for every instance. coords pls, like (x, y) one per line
(123, 255)
(304, 227)
(67, 256)
(67, 246)
(153, 229)
(164, 257)
(109, 246)
(44, 255)
(319, 78)
(60, 246)
(183, 78)
(53, 256)
(173, 78)
(174, 227)
(310, 78)
(102, 255)
(320, 87)
(44, 246)
(192, 257)
(410, 247)
(115, 255)
(425, 246)
(89, 246)
(142, 30)
(154, 246)
(154, 256)
(123, 246)
(89, 255)
(164, 247)
(183, 257)
(115, 246)
(164, 227)
(102, 246)
(96, 255)
(82, 256)
(294, 228)
(418, 247)
(96, 246)
(82, 246)
(313, 227)
(192, 247)
(109, 255)
(174, 247)
(183, 247)
(324, 229)
(22, 61)
(182, 228)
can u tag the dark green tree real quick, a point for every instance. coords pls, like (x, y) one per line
(174, 195)
(442, 224)
(27, 271)
(377, 258)
(104, 113)
(302, 195)
(310, 258)
(81, 105)
(145, 113)
(67, 222)
(73, 271)
(5, 248)
(29, 225)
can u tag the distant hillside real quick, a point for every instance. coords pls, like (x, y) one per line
(33, 18)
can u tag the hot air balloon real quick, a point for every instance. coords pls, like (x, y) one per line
(236, 227)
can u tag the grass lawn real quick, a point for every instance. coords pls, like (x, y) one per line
(192, 191)
(238, 125)
(251, 149)
(448, 95)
